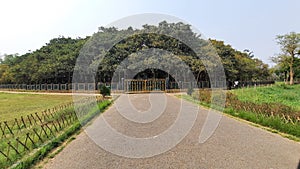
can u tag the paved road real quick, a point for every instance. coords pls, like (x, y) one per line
(233, 145)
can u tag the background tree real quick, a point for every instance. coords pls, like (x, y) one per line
(290, 47)
(240, 66)
(55, 61)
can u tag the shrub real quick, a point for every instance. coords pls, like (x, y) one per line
(283, 86)
(104, 90)
(190, 90)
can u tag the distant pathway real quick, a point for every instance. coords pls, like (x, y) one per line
(233, 145)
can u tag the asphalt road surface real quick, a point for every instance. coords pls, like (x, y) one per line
(234, 144)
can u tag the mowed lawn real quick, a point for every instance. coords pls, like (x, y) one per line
(278, 93)
(15, 105)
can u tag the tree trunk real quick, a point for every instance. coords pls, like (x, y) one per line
(291, 75)
(198, 75)
(286, 77)
(292, 69)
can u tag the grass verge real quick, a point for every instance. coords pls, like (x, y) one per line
(27, 162)
(288, 95)
(273, 124)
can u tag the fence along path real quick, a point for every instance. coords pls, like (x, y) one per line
(21, 135)
(130, 85)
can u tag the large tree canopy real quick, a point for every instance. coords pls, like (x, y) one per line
(52, 63)
(239, 65)
(55, 62)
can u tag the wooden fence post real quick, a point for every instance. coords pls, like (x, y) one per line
(9, 143)
(54, 126)
(38, 117)
(38, 135)
(3, 131)
(23, 121)
(49, 129)
(57, 120)
(33, 118)
(22, 143)
(6, 156)
(16, 120)
(29, 120)
(5, 122)
(42, 126)
(28, 136)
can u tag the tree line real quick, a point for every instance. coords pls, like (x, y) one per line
(55, 61)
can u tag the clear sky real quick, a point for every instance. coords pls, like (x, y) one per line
(253, 24)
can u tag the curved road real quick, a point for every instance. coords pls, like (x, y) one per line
(234, 144)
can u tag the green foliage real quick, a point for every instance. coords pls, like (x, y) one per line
(287, 61)
(54, 62)
(274, 122)
(270, 101)
(256, 113)
(41, 153)
(280, 94)
(283, 86)
(23, 132)
(240, 66)
(104, 90)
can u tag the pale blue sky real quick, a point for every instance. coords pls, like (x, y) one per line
(28, 25)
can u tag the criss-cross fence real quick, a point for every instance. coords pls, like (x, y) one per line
(23, 134)
(52, 87)
(133, 85)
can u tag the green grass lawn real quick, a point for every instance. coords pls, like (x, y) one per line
(279, 93)
(284, 100)
(16, 105)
